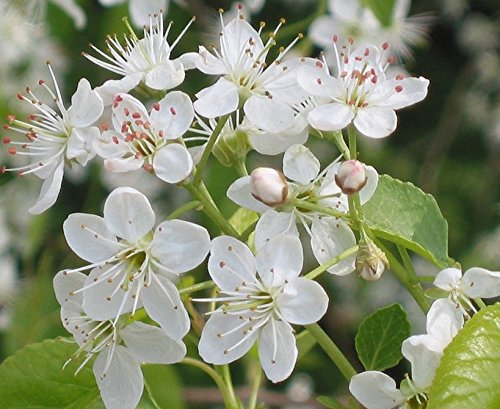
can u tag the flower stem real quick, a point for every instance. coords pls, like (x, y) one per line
(302, 204)
(208, 149)
(332, 350)
(229, 400)
(209, 208)
(194, 204)
(197, 287)
(353, 150)
(257, 379)
(408, 278)
(226, 374)
(480, 303)
(325, 266)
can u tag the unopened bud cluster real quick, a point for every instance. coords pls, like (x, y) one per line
(351, 177)
(269, 186)
(371, 261)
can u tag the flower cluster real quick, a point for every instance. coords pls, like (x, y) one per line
(124, 306)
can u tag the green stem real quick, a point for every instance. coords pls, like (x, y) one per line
(194, 204)
(209, 207)
(351, 131)
(338, 139)
(302, 204)
(408, 279)
(252, 402)
(197, 287)
(332, 350)
(241, 168)
(208, 149)
(226, 374)
(325, 266)
(426, 279)
(480, 303)
(228, 401)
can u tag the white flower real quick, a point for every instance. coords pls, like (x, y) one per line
(376, 390)
(261, 297)
(266, 91)
(70, 7)
(329, 236)
(360, 92)
(55, 137)
(475, 283)
(144, 60)
(132, 266)
(147, 140)
(119, 348)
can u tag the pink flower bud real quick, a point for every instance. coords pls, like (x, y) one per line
(269, 186)
(351, 176)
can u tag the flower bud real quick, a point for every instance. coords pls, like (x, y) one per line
(231, 147)
(371, 261)
(269, 186)
(351, 176)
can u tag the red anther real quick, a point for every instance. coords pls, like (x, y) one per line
(161, 133)
(318, 80)
(28, 89)
(129, 137)
(6, 127)
(240, 6)
(139, 122)
(147, 125)
(24, 145)
(3, 169)
(343, 74)
(173, 111)
(126, 111)
(319, 64)
(373, 71)
(346, 60)
(364, 104)
(136, 115)
(124, 127)
(6, 140)
(41, 82)
(19, 96)
(385, 46)
(31, 117)
(398, 88)
(115, 140)
(335, 38)
(400, 77)
(31, 135)
(374, 79)
(350, 40)
(358, 58)
(12, 150)
(104, 127)
(391, 60)
(119, 98)
(367, 52)
(148, 167)
(156, 106)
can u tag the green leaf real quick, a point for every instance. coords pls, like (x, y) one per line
(469, 373)
(402, 213)
(242, 219)
(383, 10)
(34, 378)
(330, 402)
(380, 336)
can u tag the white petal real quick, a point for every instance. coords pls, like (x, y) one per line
(110, 88)
(424, 354)
(65, 283)
(479, 282)
(375, 390)
(331, 237)
(109, 144)
(122, 385)
(165, 75)
(86, 105)
(72, 9)
(123, 109)
(331, 117)
(218, 340)
(88, 236)
(268, 143)
(413, 90)
(128, 214)
(268, 114)
(448, 278)
(82, 151)
(273, 223)
(106, 300)
(375, 122)
(444, 320)
(141, 9)
(237, 35)
(149, 344)
(50, 190)
(208, 63)
(369, 189)
(179, 245)
(303, 301)
(217, 100)
(279, 260)
(175, 115)
(163, 304)
(300, 165)
(173, 163)
(122, 165)
(230, 263)
(277, 350)
(240, 193)
(188, 60)
(317, 81)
